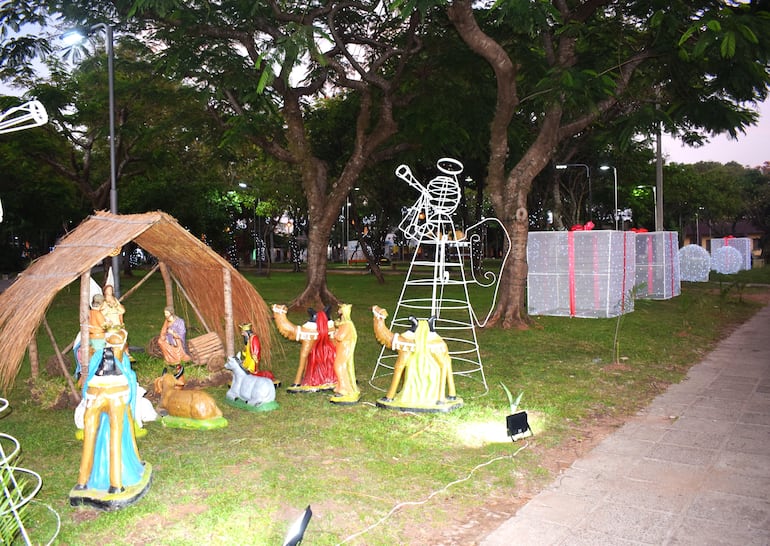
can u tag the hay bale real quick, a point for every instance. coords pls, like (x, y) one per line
(153, 349)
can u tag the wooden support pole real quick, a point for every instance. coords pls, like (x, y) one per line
(166, 274)
(60, 359)
(140, 283)
(85, 319)
(229, 325)
(34, 357)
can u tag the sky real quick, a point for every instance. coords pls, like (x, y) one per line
(750, 150)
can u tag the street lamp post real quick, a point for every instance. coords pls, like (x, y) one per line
(71, 38)
(615, 174)
(588, 177)
(654, 203)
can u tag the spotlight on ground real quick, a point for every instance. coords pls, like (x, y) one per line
(297, 530)
(517, 422)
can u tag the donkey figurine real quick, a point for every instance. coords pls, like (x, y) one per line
(254, 390)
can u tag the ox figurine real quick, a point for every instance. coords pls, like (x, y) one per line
(186, 408)
(249, 391)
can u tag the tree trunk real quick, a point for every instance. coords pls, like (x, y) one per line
(316, 293)
(558, 204)
(510, 311)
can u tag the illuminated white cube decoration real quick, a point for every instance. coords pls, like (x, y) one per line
(657, 265)
(586, 274)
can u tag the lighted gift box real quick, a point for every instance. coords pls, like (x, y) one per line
(586, 274)
(741, 244)
(694, 263)
(657, 265)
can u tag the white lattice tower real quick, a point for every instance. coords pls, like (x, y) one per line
(436, 283)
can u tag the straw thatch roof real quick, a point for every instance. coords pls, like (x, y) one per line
(197, 268)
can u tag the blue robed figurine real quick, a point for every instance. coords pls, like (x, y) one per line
(111, 473)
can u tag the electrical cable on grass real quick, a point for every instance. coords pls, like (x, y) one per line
(433, 494)
(56, 515)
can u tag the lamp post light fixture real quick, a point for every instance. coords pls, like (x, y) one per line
(73, 37)
(615, 175)
(564, 166)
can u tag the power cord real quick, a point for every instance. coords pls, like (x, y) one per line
(433, 494)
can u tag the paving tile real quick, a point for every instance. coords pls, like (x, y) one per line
(748, 439)
(622, 445)
(645, 526)
(755, 418)
(737, 484)
(672, 474)
(748, 464)
(718, 403)
(604, 464)
(649, 495)
(584, 537)
(691, 438)
(525, 532)
(580, 484)
(729, 509)
(716, 413)
(702, 424)
(682, 454)
(558, 507)
(704, 532)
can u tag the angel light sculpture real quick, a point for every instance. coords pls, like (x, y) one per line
(28, 115)
(436, 284)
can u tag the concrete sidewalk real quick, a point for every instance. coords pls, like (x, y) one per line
(693, 468)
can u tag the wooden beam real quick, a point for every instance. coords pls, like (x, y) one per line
(85, 319)
(140, 283)
(229, 324)
(34, 357)
(60, 359)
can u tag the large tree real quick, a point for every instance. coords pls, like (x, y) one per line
(562, 67)
(267, 64)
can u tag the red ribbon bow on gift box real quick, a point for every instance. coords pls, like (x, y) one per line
(588, 226)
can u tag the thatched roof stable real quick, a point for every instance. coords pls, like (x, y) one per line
(197, 268)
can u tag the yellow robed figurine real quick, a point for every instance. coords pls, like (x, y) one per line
(423, 368)
(111, 475)
(345, 337)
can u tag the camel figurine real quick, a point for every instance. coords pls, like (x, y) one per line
(315, 371)
(345, 337)
(423, 363)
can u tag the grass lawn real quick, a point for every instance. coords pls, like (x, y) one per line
(353, 465)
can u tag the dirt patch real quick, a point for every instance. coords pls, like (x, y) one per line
(762, 297)
(149, 528)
